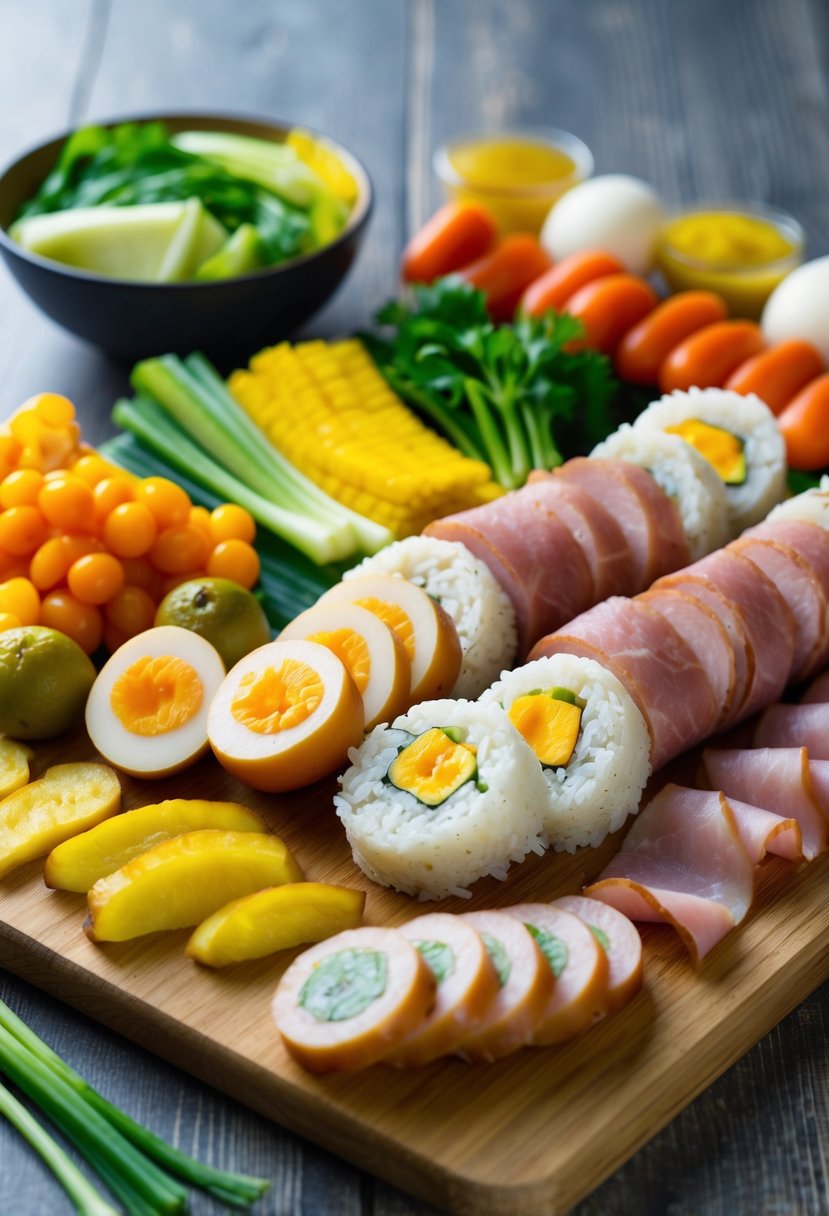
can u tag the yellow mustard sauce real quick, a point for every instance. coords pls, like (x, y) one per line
(740, 256)
(518, 179)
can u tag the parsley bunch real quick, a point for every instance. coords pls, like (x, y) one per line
(505, 394)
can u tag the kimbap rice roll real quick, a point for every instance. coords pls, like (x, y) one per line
(467, 591)
(736, 434)
(684, 475)
(590, 738)
(810, 507)
(446, 795)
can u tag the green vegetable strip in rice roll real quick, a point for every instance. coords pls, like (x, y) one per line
(467, 591)
(448, 794)
(738, 435)
(684, 475)
(590, 739)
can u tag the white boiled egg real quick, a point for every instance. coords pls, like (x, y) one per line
(799, 307)
(615, 213)
(147, 711)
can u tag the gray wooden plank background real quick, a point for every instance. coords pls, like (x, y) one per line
(705, 98)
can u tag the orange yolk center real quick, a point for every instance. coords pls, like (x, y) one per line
(277, 698)
(352, 651)
(396, 619)
(156, 695)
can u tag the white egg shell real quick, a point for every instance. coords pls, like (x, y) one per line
(167, 752)
(616, 213)
(799, 307)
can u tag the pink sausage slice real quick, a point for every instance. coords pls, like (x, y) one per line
(797, 582)
(467, 984)
(809, 541)
(579, 965)
(526, 983)
(350, 1000)
(620, 940)
(645, 652)
(706, 635)
(601, 539)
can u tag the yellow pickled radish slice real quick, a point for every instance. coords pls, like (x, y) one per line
(549, 725)
(78, 863)
(285, 716)
(373, 654)
(14, 766)
(434, 766)
(147, 711)
(67, 799)
(722, 449)
(181, 881)
(426, 631)
(276, 919)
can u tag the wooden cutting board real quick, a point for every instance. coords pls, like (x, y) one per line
(530, 1135)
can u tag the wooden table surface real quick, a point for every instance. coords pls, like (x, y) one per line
(707, 99)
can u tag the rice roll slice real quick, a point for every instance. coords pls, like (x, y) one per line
(525, 987)
(425, 630)
(810, 507)
(580, 971)
(446, 795)
(350, 1000)
(738, 435)
(371, 652)
(467, 984)
(620, 940)
(468, 593)
(596, 777)
(685, 476)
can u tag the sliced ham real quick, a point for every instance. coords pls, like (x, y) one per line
(701, 589)
(809, 541)
(769, 623)
(706, 635)
(764, 832)
(818, 691)
(682, 863)
(795, 726)
(531, 552)
(601, 539)
(644, 651)
(648, 517)
(778, 779)
(800, 587)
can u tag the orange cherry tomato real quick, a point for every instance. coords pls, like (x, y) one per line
(804, 424)
(179, 550)
(708, 357)
(49, 565)
(139, 572)
(229, 522)
(92, 468)
(130, 529)
(9, 621)
(778, 374)
(131, 610)
(504, 274)
(608, 308)
(66, 502)
(236, 560)
(167, 501)
(108, 494)
(555, 287)
(94, 579)
(645, 348)
(18, 597)
(456, 235)
(81, 622)
(22, 530)
(21, 488)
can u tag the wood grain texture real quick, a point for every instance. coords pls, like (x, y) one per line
(525, 1137)
(706, 99)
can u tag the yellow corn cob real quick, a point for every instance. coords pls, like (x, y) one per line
(329, 411)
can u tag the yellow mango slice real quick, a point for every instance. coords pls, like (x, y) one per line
(67, 799)
(182, 881)
(276, 919)
(77, 864)
(434, 766)
(14, 766)
(550, 726)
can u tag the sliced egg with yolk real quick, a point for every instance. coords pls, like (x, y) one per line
(147, 711)
(372, 652)
(285, 716)
(427, 632)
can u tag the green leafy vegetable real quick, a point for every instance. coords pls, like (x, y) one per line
(440, 958)
(553, 948)
(500, 393)
(345, 984)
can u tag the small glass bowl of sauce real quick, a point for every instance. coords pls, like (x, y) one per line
(739, 250)
(518, 175)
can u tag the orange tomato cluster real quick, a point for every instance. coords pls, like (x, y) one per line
(682, 342)
(89, 549)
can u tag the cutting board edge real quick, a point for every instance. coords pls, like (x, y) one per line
(460, 1193)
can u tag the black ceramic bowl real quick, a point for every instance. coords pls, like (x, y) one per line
(132, 320)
